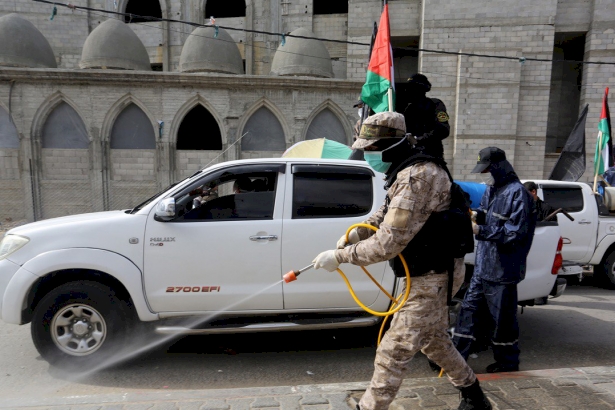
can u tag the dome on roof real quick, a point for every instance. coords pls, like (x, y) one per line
(303, 57)
(204, 53)
(114, 45)
(23, 45)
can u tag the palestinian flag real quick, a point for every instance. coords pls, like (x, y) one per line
(380, 70)
(603, 159)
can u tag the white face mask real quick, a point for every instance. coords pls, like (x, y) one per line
(360, 112)
(487, 179)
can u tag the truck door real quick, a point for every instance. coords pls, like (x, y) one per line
(322, 201)
(223, 254)
(583, 230)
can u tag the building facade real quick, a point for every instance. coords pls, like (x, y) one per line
(98, 111)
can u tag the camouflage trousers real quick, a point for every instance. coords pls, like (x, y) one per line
(420, 325)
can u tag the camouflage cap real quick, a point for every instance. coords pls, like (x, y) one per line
(379, 126)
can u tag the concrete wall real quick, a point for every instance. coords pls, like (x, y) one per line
(66, 181)
(11, 187)
(503, 102)
(133, 177)
(599, 46)
(189, 161)
(498, 98)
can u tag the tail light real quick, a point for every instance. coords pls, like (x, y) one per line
(557, 262)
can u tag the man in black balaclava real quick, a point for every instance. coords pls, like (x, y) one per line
(504, 230)
(426, 118)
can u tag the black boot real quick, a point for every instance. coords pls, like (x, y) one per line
(473, 398)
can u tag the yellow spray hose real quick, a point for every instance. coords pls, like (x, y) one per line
(396, 302)
(393, 309)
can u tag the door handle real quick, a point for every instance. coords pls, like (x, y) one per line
(584, 222)
(264, 238)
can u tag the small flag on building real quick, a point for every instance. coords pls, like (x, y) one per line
(379, 89)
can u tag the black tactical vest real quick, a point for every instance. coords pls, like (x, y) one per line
(445, 236)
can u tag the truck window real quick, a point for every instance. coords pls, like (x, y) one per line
(232, 196)
(331, 195)
(568, 198)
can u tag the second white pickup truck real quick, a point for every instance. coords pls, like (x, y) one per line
(86, 281)
(589, 240)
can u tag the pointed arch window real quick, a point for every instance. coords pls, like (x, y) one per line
(132, 130)
(264, 132)
(199, 131)
(64, 128)
(326, 125)
(143, 8)
(225, 8)
(8, 133)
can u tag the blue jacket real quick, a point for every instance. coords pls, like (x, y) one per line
(506, 237)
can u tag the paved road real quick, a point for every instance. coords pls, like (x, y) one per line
(575, 330)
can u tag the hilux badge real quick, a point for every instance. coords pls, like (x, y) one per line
(161, 241)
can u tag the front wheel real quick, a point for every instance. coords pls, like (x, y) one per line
(80, 325)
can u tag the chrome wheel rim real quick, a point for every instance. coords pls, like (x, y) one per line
(78, 330)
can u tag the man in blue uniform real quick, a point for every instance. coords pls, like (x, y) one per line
(504, 231)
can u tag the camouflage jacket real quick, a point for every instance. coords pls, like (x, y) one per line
(419, 190)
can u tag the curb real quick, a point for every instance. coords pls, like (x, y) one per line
(601, 378)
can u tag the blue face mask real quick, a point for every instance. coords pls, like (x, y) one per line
(374, 159)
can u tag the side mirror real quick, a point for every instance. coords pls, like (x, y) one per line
(165, 210)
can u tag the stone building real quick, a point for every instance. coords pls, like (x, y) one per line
(98, 111)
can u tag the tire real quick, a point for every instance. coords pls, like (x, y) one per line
(80, 326)
(606, 275)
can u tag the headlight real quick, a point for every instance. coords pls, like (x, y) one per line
(10, 244)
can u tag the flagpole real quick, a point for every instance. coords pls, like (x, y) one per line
(390, 90)
(599, 159)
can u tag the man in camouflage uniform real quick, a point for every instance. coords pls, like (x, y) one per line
(414, 193)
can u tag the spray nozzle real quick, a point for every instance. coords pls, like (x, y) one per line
(292, 275)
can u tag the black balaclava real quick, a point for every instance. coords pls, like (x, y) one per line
(418, 86)
(415, 93)
(397, 154)
(503, 173)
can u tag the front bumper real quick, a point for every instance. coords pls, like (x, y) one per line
(7, 271)
(558, 288)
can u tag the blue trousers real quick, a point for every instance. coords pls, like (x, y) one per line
(489, 300)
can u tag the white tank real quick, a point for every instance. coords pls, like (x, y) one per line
(609, 198)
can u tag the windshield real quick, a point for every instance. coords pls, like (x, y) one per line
(149, 200)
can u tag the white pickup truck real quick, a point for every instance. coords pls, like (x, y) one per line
(589, 240)
(85, 281)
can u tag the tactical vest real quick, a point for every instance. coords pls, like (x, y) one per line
(445, 236)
